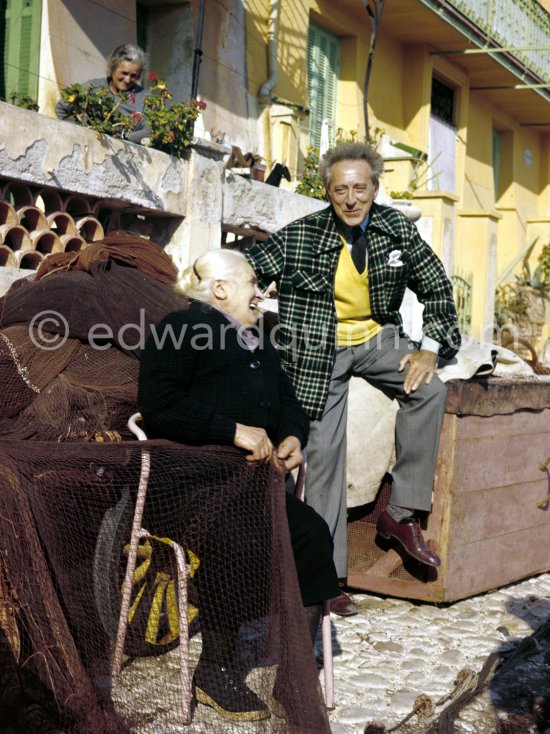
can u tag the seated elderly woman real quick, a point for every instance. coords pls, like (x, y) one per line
(124, 70)
(233, 391)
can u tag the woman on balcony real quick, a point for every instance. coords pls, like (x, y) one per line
(124, 71)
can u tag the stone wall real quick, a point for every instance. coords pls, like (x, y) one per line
(188, 206)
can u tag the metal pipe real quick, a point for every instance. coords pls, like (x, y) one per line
(272, 67)
(513, 86)
(489, 50)
(197, 53)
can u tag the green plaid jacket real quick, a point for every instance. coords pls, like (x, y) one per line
(302, 257)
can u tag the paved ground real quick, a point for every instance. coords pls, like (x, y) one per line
(395, 650)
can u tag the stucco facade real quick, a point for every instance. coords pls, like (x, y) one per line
(482, 224)
(253, 75)
(182, 204)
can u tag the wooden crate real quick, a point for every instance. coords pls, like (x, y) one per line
(485, 522)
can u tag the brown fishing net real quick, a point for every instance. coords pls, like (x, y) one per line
(69, 476)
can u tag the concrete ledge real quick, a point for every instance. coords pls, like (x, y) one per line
(9, 275)
(60, 154)
(248, 203)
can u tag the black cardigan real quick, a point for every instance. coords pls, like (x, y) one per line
(197, 380)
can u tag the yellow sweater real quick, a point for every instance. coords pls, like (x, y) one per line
(351, 297)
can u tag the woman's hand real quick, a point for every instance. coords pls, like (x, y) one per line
(254, 440)
(289, 453)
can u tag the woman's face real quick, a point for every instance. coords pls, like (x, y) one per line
(242, 296)
(125, 76)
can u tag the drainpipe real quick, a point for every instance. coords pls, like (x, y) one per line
(272, 69)
(197, 54)
(264, 95)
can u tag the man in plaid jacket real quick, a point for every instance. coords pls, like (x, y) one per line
(341, 275)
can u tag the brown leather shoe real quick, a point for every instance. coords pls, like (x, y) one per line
(343, 606)
(409, 535)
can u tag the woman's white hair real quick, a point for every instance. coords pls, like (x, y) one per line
(197, 280)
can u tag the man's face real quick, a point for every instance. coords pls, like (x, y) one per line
(351, 191)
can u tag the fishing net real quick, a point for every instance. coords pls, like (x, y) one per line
(69, 477)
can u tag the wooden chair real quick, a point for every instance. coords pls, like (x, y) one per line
(138, 532)
(326, 628)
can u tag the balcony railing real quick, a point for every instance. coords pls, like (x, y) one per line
(514, 23)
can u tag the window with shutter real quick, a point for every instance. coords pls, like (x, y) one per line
(323, 68)
(20, 37)
(442, 138)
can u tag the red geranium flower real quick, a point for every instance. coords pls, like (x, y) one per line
(132, 97)
(153, 76)
(136, 117)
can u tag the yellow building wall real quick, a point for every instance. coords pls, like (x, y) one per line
(512, 214)
(416, 101)
(76, 39)
(284, 129)
(257, 12)
(477, 186)
(386, 100)
(488, 228)
(351, 24)
(523, 200)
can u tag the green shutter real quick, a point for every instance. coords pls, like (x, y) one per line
(21, 47)
(323, 68)
(3, 46)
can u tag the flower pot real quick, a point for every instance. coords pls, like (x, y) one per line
(412, 212)
(257, 171)
(530, 322)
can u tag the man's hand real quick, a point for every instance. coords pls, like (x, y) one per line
(421, 369)
(254, 440)
(289, 453)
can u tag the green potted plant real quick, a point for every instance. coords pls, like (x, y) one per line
(310, 183)
(522, 303)
(170, 124)
(24, 101)
(94, 107)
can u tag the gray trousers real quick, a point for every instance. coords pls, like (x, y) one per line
(417, 429)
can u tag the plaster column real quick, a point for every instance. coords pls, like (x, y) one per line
(201, 228)
(476, 251)
(439, 207)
